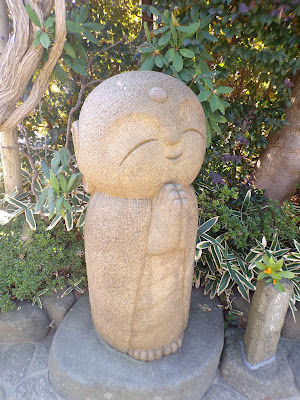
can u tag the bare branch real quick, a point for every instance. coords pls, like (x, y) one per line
(42, 80)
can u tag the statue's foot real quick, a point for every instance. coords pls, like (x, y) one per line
(156, 354)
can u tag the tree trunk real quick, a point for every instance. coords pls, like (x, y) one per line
(10, 158)
(278, 169)
(11, 162)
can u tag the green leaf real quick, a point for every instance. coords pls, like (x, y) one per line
(37, 40)
(41, 200)
(276, 276)
(279, 287)
(297, 245)
(218, 117)
(45, 40)
(205, 21)
(224, 282)
(71, 182)
(49, 23)
(69, 50)
(93, 26)
(64, 156)
(189, 30)
(261, 275)
(58, 204)
(164, 38)
(159, 61)
(62, 182)
(81, 220)
(214, 102)
(78, 69)
(91, 37)
(67, 205)
(208, 36)
(174, 33)
(154, 10)
(177, 62)
(69, 220)
(215, 126)
(54, 182)
(73, 27)
(147, 33)
(84, 12)
(54, 222)
(206, 226)
(246, 201)
(187, 53)
(30, 218)
(145, 49)
(224, 89)
(81, 51)
(208, 133)
(148, 64)
(170, 54)
(45, 169)
(287, 274)
(60, 73)
(260, 265)
(33, 15)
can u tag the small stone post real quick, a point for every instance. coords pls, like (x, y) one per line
(266, 318)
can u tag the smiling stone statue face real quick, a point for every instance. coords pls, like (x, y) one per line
(140, 142)
(138, 131)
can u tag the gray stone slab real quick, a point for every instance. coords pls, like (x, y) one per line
(36, 388)
(57, 306)
(26, 323)
(274, 381)
(2, 394)
(294, 360)
(14, 362)
(83, 366)
(291, 328)
(217, 392)
(41, 355)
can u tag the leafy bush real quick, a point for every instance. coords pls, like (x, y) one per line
(33, 261)
(232, 243)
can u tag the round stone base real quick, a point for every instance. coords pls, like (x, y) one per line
(83, 366)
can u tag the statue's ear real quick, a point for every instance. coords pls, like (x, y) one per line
(75, 135)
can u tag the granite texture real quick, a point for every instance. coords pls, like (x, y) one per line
(56, 306)
(140, 142)
(291, 328)
(26, 323)
(274, 381)
(265, 321)
(83, 366)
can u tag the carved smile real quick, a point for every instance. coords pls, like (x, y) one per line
(174, 158)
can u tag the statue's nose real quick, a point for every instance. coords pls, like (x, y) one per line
(171, 135)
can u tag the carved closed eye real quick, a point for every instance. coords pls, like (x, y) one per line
(136, 147)
(194, 130)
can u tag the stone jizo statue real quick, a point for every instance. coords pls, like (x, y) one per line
(140, 142)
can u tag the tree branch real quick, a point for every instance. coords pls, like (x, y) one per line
(42, 80)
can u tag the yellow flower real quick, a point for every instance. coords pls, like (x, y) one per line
(268, 270)
(274, 282)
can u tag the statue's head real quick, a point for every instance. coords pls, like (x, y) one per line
(138, 131)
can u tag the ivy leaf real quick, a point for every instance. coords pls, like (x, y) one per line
(33, 15)
(177, 62)
(45, 40)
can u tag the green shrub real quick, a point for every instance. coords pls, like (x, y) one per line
(33, 261)
(243, 227)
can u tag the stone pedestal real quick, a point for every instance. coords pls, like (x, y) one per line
(83, 366)
(266, 317)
